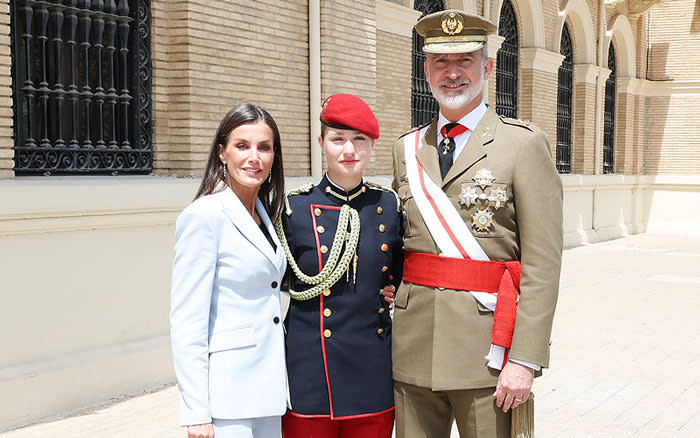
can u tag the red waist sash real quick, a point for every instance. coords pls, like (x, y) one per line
(471, 275)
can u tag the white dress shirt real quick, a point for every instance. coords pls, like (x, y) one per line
(471, 120)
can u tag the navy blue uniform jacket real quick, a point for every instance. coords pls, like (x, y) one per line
(339, 343)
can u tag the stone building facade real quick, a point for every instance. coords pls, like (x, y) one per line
(103, 244)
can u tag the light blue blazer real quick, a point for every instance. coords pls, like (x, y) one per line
(226, 324)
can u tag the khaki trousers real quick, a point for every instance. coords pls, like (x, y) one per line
(423, 413)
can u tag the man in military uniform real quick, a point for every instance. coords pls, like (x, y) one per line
(482, 206)
(343, 242)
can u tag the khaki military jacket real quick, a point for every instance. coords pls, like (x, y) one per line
(441, 336)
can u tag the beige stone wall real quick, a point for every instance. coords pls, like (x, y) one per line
(673, 124)
(210, 56)
(6, 142)
(349, 52)
(674, 31)
(393, 107)
(673, 135)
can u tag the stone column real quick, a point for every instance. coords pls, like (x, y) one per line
(583, 124)
(630, 125)
(538, 90)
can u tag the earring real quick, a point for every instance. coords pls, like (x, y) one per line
(269, 177)
(224, 166)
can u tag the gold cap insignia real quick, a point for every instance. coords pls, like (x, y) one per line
(452, 23)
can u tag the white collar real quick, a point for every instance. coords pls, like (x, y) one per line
(470, 120)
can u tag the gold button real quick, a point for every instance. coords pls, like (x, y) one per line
(382, 228)
(441, 288)
(326, 292)
(324, 249)
(328, 189)
(381, 310)
(327, 333)
(385, 247)
(385, 268)
(320, 229)
(380, 210)
(442, 254)
(327, 312)
(364, 189)
(380, 331)
(317, 211)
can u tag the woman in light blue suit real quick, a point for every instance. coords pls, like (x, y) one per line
(226, 326)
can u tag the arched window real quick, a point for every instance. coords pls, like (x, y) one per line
(609, 116)
(564, 103)
(507, 63)
(423, 104)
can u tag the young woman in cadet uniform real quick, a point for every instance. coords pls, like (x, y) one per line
(343, 244)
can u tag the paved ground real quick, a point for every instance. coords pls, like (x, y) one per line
(625, 353)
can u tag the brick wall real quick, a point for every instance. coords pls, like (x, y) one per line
(674, 30)
(673, 127)
(393, 107)
(212, 55)
(672, 135)
(348, 52)
(6, 142)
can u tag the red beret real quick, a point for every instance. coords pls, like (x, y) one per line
(345, 111)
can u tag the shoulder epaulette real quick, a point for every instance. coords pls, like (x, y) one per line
(301, 190)
(375, 186)
(518, 122)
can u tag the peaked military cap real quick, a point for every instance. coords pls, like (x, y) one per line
(454, 31)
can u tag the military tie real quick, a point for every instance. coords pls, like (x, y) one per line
(446, 149)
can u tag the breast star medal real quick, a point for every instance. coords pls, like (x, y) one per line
(482, 220)
(483, 178)
(468, 196)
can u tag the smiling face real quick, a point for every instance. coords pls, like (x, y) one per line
(457, 80)
(248, 156)
(347, 154)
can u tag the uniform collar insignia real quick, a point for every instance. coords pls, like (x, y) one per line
(332, 190)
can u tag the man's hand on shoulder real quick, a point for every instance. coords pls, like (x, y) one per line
(514, 385)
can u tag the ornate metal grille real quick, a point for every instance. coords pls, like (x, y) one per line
(564, 103)
(82, 86)
(507, 63)
(423, 104)
(609, 116)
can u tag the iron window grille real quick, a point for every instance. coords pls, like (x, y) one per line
(564, 103)
(609, 115)
(82, 86)
(507, 63)
(423, 105)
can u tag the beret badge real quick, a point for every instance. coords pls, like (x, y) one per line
(452, 23)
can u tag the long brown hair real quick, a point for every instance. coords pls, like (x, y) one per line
(272, 189)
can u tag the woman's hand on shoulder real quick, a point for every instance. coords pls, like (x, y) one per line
(200, 431)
